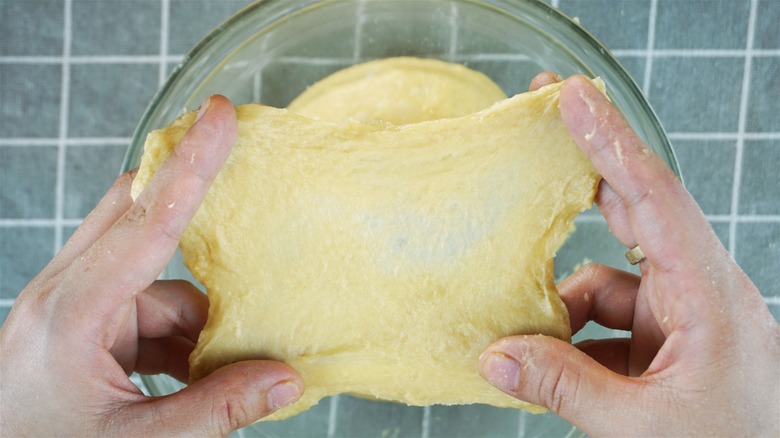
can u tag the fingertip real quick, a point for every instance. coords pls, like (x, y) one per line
(579, 100)
(543, 79)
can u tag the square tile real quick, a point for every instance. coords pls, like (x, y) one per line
(635, 66)
(689, 95)
(472, 421)
(364, 418)
(768, 15)
(312, 423)
(108, 100)
(722, 231)
(758, 249)
(32, 27)
(284, 81)
(512, 76)
(774, 308)
(89, 172)
(191, 20)
(67, 233)
(23, 253)
(760, 186)
(322, 31)
(30, 103)
(116, 27)
(591, 242)
(27, 182)
(618, 24)
(405, 36)
(702, 24)
(763, 115)
(4, 314)
(707, 168)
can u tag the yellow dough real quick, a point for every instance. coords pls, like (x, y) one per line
(380, 260)
(398, 90)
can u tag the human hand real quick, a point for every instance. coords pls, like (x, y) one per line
(95, 314)
(704, 356)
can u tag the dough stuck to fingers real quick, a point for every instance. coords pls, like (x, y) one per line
(380, 260)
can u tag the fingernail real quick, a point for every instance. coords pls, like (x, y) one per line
(282, 394)
(203, 109)
(502, 371)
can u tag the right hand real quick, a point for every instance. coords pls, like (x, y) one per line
(704, 355)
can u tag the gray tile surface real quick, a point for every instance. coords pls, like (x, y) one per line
(635, 66)
(512, 76)
(722, 231)
(125, 27)
(710, 185)
(312, 423)
(618, 24)
(696, 97)
(701, 24)
(24, 252)
(27, 182)
(758, 252)
(763, 107)
(767, 17)
(381, 419)
(760, 189)
(407, 38)
(191, 20)
(94, 110)
(89, 172)
(30, 100)
(697, 94)
(35, 24)
(472, 421)
(294, 78)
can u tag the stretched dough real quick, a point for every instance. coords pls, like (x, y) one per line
(398, 90)
(380, 260)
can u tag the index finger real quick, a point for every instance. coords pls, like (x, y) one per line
(137, 247)
(664, 218)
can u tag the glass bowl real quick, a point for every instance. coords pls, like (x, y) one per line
(272, 50)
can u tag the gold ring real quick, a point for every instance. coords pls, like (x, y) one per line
(635, 255)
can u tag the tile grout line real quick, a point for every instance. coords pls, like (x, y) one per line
(650, 47)
(453, 49)
(333, 415)
(155, 59)
(165, 13)
(59, 193)
(81, 141)
(742, 122)
(257, 79)
(357, 45)
(29, 223)
(521, 424)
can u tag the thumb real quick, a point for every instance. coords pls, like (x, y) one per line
(230, 398)
(552, 373)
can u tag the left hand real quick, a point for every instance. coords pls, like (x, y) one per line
(95, 314)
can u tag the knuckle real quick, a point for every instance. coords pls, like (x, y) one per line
(155, 220)
(559, 388)
(229, 414)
